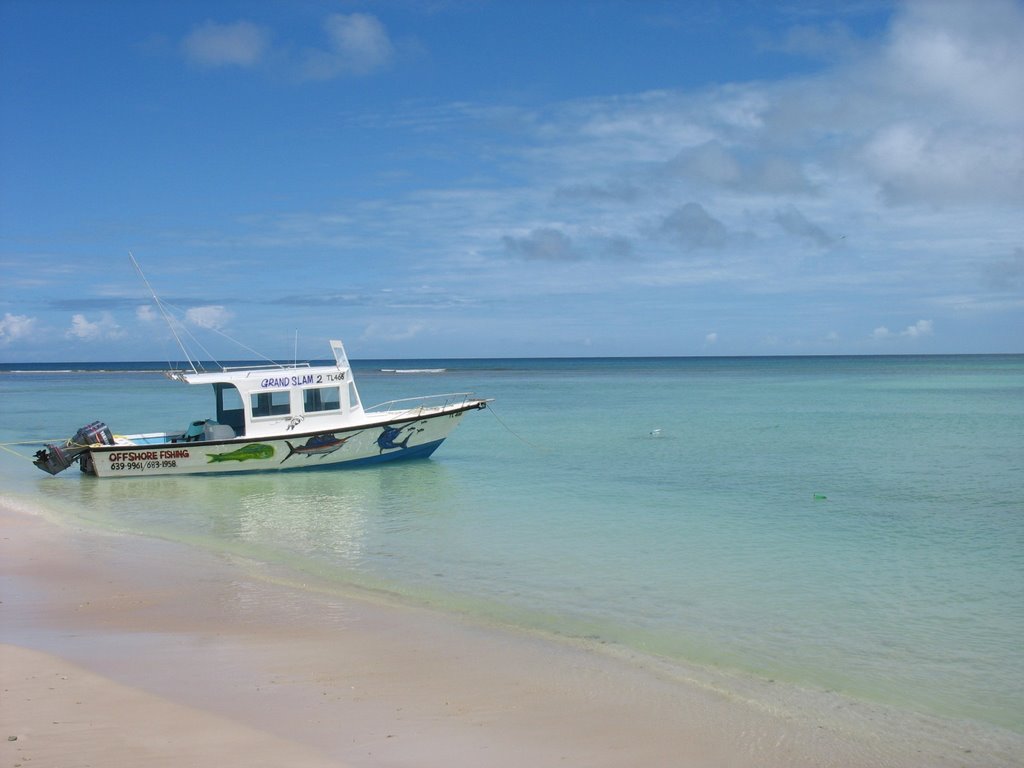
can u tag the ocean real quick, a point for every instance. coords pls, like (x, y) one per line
(844, 524)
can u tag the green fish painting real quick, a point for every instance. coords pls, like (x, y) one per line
(253, 451)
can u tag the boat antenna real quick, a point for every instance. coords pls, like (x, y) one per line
(233, 340)
(160, 306)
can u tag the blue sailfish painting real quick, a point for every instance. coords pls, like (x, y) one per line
(388, 440)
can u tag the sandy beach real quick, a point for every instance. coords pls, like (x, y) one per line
(119, 650)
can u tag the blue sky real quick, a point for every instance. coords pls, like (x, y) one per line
(478, 179)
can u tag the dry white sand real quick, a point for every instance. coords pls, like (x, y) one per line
(127, 651)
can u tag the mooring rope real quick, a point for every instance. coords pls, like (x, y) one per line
(515, 434)
(20, 456)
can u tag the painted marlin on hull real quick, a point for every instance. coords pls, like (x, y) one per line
(318, 445)
(387, 439)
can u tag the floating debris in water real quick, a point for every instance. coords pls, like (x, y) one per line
(820, 497)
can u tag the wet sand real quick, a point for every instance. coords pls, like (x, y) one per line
(119, 650)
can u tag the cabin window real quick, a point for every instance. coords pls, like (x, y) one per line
(321, 399)
(353, 396)
(271, 403)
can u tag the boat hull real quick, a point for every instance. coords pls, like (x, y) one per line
(372, 443)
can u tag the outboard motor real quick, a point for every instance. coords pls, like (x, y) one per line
(56, 458)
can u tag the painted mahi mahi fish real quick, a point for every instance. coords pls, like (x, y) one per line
(252, 451)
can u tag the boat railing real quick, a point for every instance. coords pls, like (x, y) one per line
(418, 405)
(266, 366)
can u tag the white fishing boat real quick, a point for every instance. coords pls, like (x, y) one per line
(270, 418)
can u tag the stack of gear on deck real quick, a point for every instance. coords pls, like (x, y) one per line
(56, 458)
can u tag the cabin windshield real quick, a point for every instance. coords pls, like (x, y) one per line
(230, 409)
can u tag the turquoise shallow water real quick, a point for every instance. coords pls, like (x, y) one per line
(854, 524)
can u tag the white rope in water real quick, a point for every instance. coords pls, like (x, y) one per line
(67, 443)
(515, 434)
(20, 456)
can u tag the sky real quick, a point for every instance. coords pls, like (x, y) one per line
(475, 178)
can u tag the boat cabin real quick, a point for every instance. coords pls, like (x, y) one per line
(267, 401)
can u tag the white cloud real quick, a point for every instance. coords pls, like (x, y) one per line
(359, 45)
(967, 53)
(711, 338)
(709, 191)
(94, 330)
(916, 161)
(744, 109)
(14, 327)
(942, 105)
(881, 116)
(241, 44)
(915, 331)
(144, 313)
(212, 316)
(920, 328)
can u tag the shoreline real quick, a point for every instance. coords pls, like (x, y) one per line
(211, 660)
